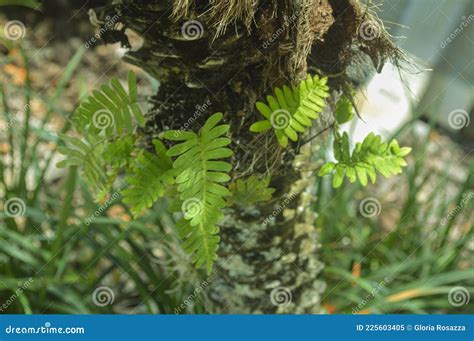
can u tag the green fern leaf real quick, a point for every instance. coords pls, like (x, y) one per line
(147, 180)
(367, 158)
(104, 121)
(251, 190)
(86, 154)
(344, 110)
(200, 174)
(290, 111)
(110, 110)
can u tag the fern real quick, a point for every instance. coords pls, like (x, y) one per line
(87, 155)
(251, 190)
(200, 173)
(105, 122)
(290, 111)
(344, 111)
(193, 171)
(367, 158)
(148, 179)
(110, 110)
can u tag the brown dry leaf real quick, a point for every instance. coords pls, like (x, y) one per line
(356, 267)
(331, 309)
(37, 108)
(117, 211)
(4, 148)
(18, 74)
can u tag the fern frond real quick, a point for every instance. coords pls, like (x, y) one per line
(147, 180)
(86, 154)
(200, 174)
(110, 110)
(344, 111)
(104, 121)
(367, 158)
(251, 190)
(290, 111)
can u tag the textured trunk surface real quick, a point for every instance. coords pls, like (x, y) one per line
(230, 55)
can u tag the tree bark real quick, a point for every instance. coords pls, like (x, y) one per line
(222, 56)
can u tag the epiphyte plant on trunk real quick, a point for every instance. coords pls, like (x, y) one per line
(194, 172)
(231, 55)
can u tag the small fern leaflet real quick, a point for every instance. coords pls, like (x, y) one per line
(147, 180)
(110, 110)
(367, 158)
(251, 190)
(290, 111)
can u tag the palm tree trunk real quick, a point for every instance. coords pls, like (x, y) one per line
(221, 56)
